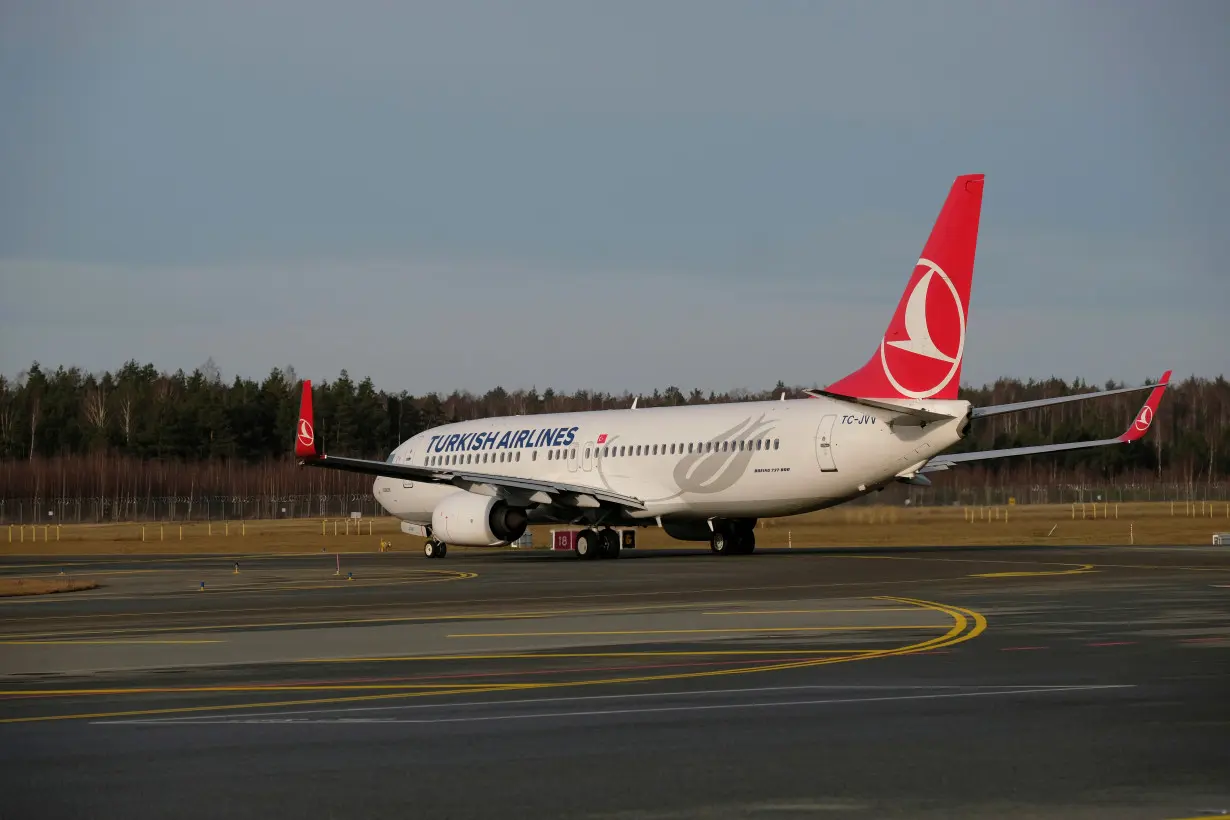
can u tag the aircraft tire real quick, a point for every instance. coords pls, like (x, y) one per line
(746, 538)
(589, 545)
(610, 543)
(434, 548)
(722, 541)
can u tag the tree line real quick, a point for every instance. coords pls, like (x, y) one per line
(142, 430)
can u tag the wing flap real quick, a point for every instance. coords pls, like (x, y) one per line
(562, 491)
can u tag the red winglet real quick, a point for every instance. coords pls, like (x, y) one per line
(1144, 418)
(305, 433)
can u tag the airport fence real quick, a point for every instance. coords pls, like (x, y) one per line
(125, 508)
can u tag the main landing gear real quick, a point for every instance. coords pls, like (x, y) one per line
(435, 549)
(603, 543)
(733, 537)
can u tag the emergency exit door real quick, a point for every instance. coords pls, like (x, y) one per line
(824, 444)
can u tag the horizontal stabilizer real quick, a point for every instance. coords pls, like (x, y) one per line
(917, 413)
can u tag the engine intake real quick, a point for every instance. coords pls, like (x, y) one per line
(470, 520)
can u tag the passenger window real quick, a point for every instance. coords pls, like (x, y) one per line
(672, 449)
(518, 455)
(548, 455)
(740, 445)
(776, 443)
(655, 449)
(621, 451)
(587, 452)
(534, 456)
(574, 453)
(689, 446)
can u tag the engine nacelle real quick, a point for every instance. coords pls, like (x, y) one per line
(469, 520)
(687, 529)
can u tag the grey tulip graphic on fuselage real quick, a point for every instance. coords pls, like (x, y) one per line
(712, 470)
(719, 469)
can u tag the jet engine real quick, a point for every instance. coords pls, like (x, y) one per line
(469, 520)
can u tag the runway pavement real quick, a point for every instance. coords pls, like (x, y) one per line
(922, 683)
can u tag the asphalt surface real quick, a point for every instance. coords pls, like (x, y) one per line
(926, 683)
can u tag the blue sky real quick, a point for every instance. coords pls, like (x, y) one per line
(612, 196)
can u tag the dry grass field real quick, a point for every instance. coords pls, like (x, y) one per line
(11, 587)
(883, 526)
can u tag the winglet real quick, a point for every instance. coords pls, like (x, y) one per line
(1144, 418)
(305, 431)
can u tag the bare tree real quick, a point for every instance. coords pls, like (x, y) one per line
(126, 409)
(35, 415)
(95, 407)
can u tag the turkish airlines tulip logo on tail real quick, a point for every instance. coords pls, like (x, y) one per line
(306, 437)
(1144, 419)
(921, 351)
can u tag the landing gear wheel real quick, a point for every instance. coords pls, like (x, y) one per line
(745, 533)
(589, 545)
(721, 541)
(610, 543)
(435, 549)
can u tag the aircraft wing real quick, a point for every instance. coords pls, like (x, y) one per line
(528, 489)
(1137, 429)
(995, 409)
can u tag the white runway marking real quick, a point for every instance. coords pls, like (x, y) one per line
(288, 717)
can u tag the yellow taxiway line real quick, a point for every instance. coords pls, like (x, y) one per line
(967, 624)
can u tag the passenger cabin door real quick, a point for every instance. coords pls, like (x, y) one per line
(824, 444)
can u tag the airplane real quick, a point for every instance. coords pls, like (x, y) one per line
(710, 472)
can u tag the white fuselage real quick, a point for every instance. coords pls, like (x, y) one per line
(737, 460)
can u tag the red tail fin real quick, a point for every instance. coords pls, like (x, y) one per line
(305, 432)
(1144, 418)
(921, 351)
